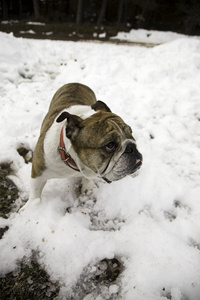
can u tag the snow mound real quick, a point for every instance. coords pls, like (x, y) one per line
(148, 36)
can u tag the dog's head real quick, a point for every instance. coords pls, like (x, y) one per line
(103, 142)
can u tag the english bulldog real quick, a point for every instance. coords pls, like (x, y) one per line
(80, 136)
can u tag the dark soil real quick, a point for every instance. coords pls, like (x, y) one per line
(65, 31)
(59, 31)
(28, 282)
(8, 190)
(102, 274)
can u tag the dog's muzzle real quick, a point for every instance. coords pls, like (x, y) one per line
(128, 163)
(134, 156)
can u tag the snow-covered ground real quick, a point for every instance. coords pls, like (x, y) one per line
(150, 223)
(148, 36)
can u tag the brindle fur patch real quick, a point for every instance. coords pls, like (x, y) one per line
(96, 132)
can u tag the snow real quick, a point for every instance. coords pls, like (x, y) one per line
(9, 21)
(148, 36)
(150, 223)
(27, 31)
(35, 23)
(48, 33)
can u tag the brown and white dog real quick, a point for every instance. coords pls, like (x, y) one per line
(82, 137)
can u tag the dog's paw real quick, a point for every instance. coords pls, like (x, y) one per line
(87, 186)
(29, 204)
(24, 207)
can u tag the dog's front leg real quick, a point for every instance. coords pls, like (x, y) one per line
(36, 187)
(87, 185)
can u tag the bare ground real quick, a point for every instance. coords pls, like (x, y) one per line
(66, 31)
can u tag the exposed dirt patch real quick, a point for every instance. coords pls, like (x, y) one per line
(8, 190)
(108, 270)
(98, 278)
(60, 31)
(29, 282)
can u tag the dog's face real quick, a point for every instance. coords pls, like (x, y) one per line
(104, 143)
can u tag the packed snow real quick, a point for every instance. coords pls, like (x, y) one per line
(148, 36)
(151, 223)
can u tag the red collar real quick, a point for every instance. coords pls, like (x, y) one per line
(65, 156)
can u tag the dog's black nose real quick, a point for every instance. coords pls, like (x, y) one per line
(130, 148)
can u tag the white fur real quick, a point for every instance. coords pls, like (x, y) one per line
(55, 167)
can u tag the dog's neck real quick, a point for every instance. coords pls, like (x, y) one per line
(65, 156)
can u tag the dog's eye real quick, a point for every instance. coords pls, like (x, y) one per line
(110, 148)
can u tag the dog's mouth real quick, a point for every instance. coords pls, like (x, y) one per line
(106, 180)
(136, 167)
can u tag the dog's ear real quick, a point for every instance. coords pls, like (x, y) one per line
(73, 124)
(100, 105)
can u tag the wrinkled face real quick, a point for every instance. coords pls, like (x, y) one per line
(104, 143)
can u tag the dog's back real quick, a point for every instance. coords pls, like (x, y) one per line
(72, 94)
(68, 95)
